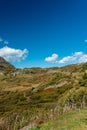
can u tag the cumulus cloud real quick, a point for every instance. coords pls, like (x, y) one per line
(78, 53)
(65, 59)
(77, 57)
(12, 54)
(52, 58)
(83, 58)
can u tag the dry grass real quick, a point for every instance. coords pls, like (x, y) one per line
(39, 95)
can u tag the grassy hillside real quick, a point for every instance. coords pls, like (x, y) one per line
(32, 96)
(74, 120)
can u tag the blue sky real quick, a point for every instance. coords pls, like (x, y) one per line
(43, 33)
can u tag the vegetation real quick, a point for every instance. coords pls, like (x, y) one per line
(74, 120)
(32, 96)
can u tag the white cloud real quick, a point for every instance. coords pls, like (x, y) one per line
(78, 53)
(52, 58)
(12, 54)
(77, 57)
(83, 58)
(65, 59)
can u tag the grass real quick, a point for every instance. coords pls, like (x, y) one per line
(74, 120)
(35, 96)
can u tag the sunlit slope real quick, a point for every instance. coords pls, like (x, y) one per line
(32, 96)
(74, 120)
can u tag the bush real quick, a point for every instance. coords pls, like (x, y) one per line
(84, 76)
(83, 81)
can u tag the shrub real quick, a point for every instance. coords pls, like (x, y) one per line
(84, 76)
(83, 81)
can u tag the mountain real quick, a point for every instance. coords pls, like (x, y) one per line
(5, 64)
(30, 97)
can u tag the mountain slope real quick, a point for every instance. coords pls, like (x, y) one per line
(74, 120)
(5, 64)
(32, 96)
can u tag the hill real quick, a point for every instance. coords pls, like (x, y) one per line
(32, 96)
(5, 64)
